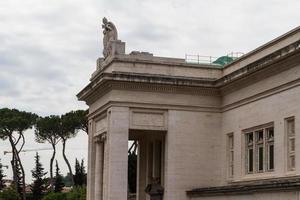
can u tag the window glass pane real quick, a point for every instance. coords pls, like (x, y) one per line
(271, 157)
(250, 160)
(249, 138)
(260, 136)
(270, 133)
(260, 158)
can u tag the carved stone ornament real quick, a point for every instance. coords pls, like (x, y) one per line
(100, 138)
(110, 34)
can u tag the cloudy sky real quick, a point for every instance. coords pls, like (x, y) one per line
(48, 48)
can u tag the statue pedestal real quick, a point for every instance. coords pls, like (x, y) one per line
(117, 47)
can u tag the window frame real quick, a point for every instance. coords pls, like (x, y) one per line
(290, 136)
(230, 154)
(259, 149)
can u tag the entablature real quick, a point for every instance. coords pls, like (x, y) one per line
(210, 85)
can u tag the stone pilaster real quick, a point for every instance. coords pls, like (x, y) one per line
(91, 164)
(117, 152)
(99, 169)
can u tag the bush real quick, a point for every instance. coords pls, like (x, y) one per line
(55, 196)
(9, 194)
(77, 193)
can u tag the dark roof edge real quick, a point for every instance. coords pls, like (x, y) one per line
(260, 186)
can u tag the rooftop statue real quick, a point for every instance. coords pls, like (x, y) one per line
(110, 34)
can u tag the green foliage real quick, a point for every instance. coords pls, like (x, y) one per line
(58, 184)
(69, 126)
(18, 183)
(55, 196)
(48, 129)
(14, 120)
(9, 194)
(80, 175)
(26, 120)
(77, 175)
(2, 185)
(77, 193)
(39, 182)
(67, 180)
(83, 173)
(13, 123)
(82, 120)
(72, 122)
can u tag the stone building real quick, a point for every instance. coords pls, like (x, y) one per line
(204, 131)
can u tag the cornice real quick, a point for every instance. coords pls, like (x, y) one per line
(105, 82)
(265, 46)
(155, 83)
(149, 105)
(264, 72)
(264, 62)
(262, 95)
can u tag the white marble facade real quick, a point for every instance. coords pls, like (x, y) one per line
(185, 117)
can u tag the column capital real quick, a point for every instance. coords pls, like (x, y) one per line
(100, 138)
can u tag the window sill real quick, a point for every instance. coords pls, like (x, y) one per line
(256, 176)
(267, 176)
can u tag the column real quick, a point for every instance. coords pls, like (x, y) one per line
(99, 170)
(91, 162)
(117, 152)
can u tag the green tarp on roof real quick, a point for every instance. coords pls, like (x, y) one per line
(223, 60)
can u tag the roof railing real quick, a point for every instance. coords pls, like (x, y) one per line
(210, 60)
(199, 59)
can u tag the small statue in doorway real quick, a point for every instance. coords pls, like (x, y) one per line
(155, 190)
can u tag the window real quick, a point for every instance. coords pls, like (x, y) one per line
(259, 149)
(230, 154)
(290, 133)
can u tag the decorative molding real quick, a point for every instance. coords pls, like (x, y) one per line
(268, 70)
(109, 84)
(100, 138)
(198, 108)
(147, 119)
(265, 46)
(100, 124)
(161, 83)
(262, 95)
(261, 63)
(133, 105)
